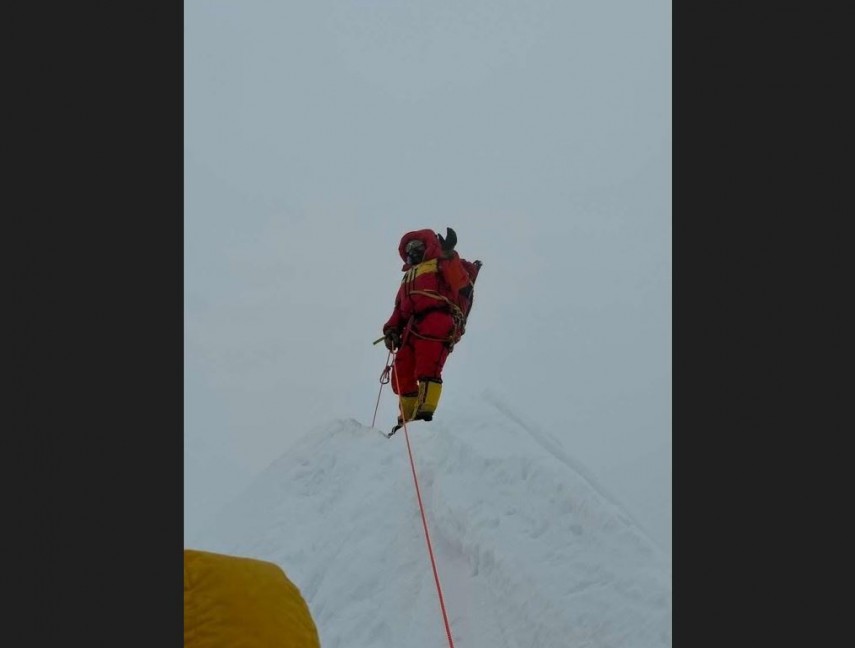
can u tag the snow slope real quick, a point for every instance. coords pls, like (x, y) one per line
(530, 552)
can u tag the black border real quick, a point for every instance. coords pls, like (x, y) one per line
(759, 114)
(94, 468)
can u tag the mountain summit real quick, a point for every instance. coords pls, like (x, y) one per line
(530, 552)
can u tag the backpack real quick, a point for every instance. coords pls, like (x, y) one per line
(459, 275)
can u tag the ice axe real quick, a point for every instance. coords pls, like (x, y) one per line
(447, 244)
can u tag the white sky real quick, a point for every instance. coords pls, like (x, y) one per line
(528, 552)
(318, 132)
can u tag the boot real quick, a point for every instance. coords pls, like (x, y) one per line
(408, 407)
(428, 399)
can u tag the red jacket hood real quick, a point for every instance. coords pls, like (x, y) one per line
(426, 236)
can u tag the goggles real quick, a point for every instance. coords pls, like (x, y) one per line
(415, 252)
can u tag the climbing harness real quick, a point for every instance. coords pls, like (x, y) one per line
(457, 317)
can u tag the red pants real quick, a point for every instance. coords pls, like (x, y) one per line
(420, 359)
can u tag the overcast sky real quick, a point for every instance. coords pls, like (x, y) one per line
(316, 133)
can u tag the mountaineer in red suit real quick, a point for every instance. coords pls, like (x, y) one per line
(429, 318)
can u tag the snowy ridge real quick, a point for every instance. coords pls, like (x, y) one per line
(529, 553)
(554, 447)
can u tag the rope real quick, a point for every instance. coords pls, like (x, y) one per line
(384, 378)
(424, 519)
(438, 296)
(458, 318)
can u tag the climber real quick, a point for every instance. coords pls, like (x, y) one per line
(429, 318)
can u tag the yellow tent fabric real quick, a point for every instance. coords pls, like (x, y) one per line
(234, 602)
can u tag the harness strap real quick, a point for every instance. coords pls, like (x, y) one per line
(457, 317)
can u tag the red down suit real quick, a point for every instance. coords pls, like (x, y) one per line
(429, 316)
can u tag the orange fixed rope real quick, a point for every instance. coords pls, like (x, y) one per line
(424, 520)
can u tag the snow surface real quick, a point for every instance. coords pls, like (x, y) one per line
(531, 553)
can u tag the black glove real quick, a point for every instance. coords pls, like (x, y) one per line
(447, 244)
(392, 340)
(478, 264)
